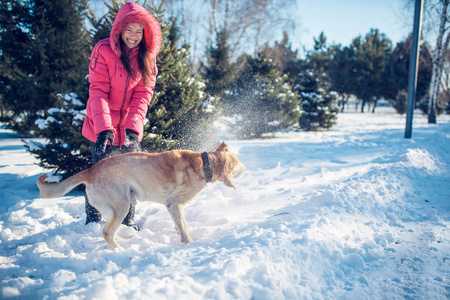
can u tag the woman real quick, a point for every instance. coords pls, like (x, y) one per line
(122, 75)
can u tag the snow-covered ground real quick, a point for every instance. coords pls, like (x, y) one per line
(358, 212)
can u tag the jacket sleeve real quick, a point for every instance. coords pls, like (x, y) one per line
(100, 83)
(139, 103)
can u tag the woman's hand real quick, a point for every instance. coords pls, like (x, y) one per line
(132, 140)
(102, 141)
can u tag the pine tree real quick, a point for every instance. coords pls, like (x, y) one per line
(285, 58)
(44, 51)
(319, 59)
(400, 102)
(263, 100)
(174, 31)
(183, 114)
(179, 107)
(67, 151)
(318, 102)
(398, 72)
(219, 71)
(359, 69)
(102, 25)
(370, 57)
(341, 73)
(313, 85)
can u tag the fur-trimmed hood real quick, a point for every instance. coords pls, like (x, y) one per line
(134, 13)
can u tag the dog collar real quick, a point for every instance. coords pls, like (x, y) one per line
(207, 167)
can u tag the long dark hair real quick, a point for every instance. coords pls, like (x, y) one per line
(145, 61)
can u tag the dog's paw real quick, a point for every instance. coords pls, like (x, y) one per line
(186, 240)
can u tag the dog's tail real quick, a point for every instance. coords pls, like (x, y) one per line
(52, 190)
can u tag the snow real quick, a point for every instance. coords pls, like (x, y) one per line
(357, 212)
(70, 98)
(52, 111)
(40, 123)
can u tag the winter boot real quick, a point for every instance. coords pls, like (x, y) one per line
(92, 214)
(129, 219)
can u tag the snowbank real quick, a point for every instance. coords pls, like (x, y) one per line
(355, 213)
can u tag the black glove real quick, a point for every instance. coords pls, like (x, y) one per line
(102, 140)
(132, 140)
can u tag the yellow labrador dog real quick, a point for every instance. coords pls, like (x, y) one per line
(172, 178)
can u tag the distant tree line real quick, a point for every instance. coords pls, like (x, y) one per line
(369, 69)
(45, 47)
(244, 21)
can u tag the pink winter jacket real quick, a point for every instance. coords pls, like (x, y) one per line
(116, 101)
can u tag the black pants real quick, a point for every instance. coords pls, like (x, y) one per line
(92, 214)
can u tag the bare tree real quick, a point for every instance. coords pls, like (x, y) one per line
(445, 87)
(213, 28)
(258, 20)
(249, 23)
(440, 8)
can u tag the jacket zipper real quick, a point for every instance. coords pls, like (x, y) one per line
(121, 110)
(123, 103)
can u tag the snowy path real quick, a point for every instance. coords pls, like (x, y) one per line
(355, 213)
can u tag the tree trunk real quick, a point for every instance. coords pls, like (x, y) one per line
(213, 22)
(438, 63)
(375, 102)
(227, 15)
(343, 102)
(260, 26)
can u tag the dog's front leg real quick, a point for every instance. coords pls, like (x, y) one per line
(177, 213)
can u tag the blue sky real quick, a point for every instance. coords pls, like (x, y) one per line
(343, 20)
(340, 20)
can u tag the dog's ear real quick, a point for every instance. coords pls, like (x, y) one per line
(228, 181)
(223, 147)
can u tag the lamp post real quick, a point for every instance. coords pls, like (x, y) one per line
(413, 66)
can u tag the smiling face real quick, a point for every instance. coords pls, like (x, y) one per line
(132, 34)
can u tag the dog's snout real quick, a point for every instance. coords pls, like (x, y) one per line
(240, 169)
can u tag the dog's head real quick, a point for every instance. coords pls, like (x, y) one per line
(227, 167)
